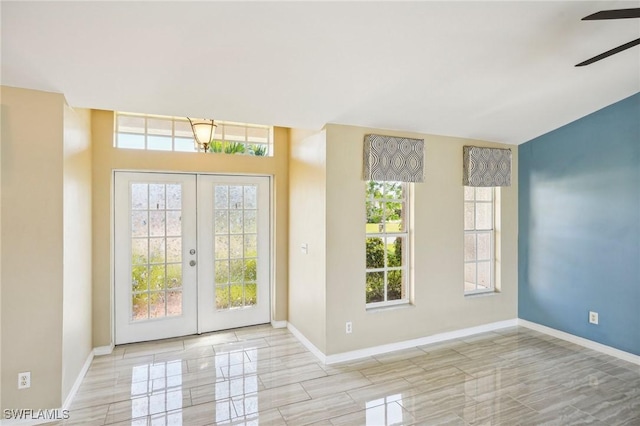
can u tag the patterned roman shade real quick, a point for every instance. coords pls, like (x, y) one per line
(388, 158)
(486, 166)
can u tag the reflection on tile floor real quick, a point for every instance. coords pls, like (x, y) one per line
(261, 375)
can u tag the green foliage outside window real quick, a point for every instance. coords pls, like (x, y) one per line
(382, 208)
(227, 147)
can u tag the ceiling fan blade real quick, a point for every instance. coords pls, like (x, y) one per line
(610, 52)
(614, 14)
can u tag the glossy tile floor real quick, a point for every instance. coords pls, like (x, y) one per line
(261, 375)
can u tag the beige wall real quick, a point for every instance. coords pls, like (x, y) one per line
(327, 211)
(307, 272)
(439, 304)
(32, 246)
(106, 158)
(76, 317)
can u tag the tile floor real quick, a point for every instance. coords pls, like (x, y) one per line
(261, 375)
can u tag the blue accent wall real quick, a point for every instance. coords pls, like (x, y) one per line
(579, 227)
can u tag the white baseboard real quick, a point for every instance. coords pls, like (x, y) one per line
(103, 350)
(626, 356)
(307, 343)
(78, 382)
(279, 324)
(382, 349)
(406, 344)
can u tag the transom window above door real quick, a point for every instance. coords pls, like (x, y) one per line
(168, 133)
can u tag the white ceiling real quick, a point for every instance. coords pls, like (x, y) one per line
(499, 71)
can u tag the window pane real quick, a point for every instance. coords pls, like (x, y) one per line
(470, 247)
(221, 197)
(222, 271)
(130, 141)
(174, 196)
(484, 194)
(222, 297)
(139, 278)
(235, 221)
(470, 276)
(156, 196)
(484, 216)
(235, 246)
(469, 222)
(250, 245)
(395, 248)
(156, 223)
(374, 216)
(174, 249)
(184, 144)
(484, 246)
(250, 221)
(250, 197)
(375, 253)
(236, 197)
(174, 303)
(139, 223)
(250, 294)
(393, 190)
(156, 304)
(250, 270)
(234, 133)
(237, 295)
(221, 247)
(394, 286)
(156, 277)
(375, 287)
(484, 275)
(139, 196)
(157, 126)
(140, 306)
(468, 193)
(221, 222)
(130, 124)
(159, 143)
(174, 223)
(139, 251)
(174, 275)
(183, 130)
(374, 189)
(156, 250)
(393, 215)
(236, 270)
(258, 134)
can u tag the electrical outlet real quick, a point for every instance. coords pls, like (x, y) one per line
(349, 327)
(593, 317)
(24, 380)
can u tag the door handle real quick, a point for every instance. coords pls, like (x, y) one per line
(192, 262)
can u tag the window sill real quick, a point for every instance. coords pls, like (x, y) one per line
(384, 308)
(482, 294)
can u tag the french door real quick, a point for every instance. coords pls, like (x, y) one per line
(191, 254)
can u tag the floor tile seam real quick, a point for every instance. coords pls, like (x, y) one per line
(585, 413)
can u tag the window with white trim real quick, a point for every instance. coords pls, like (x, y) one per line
(479, 239)
(387, 243)
(166, 133)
